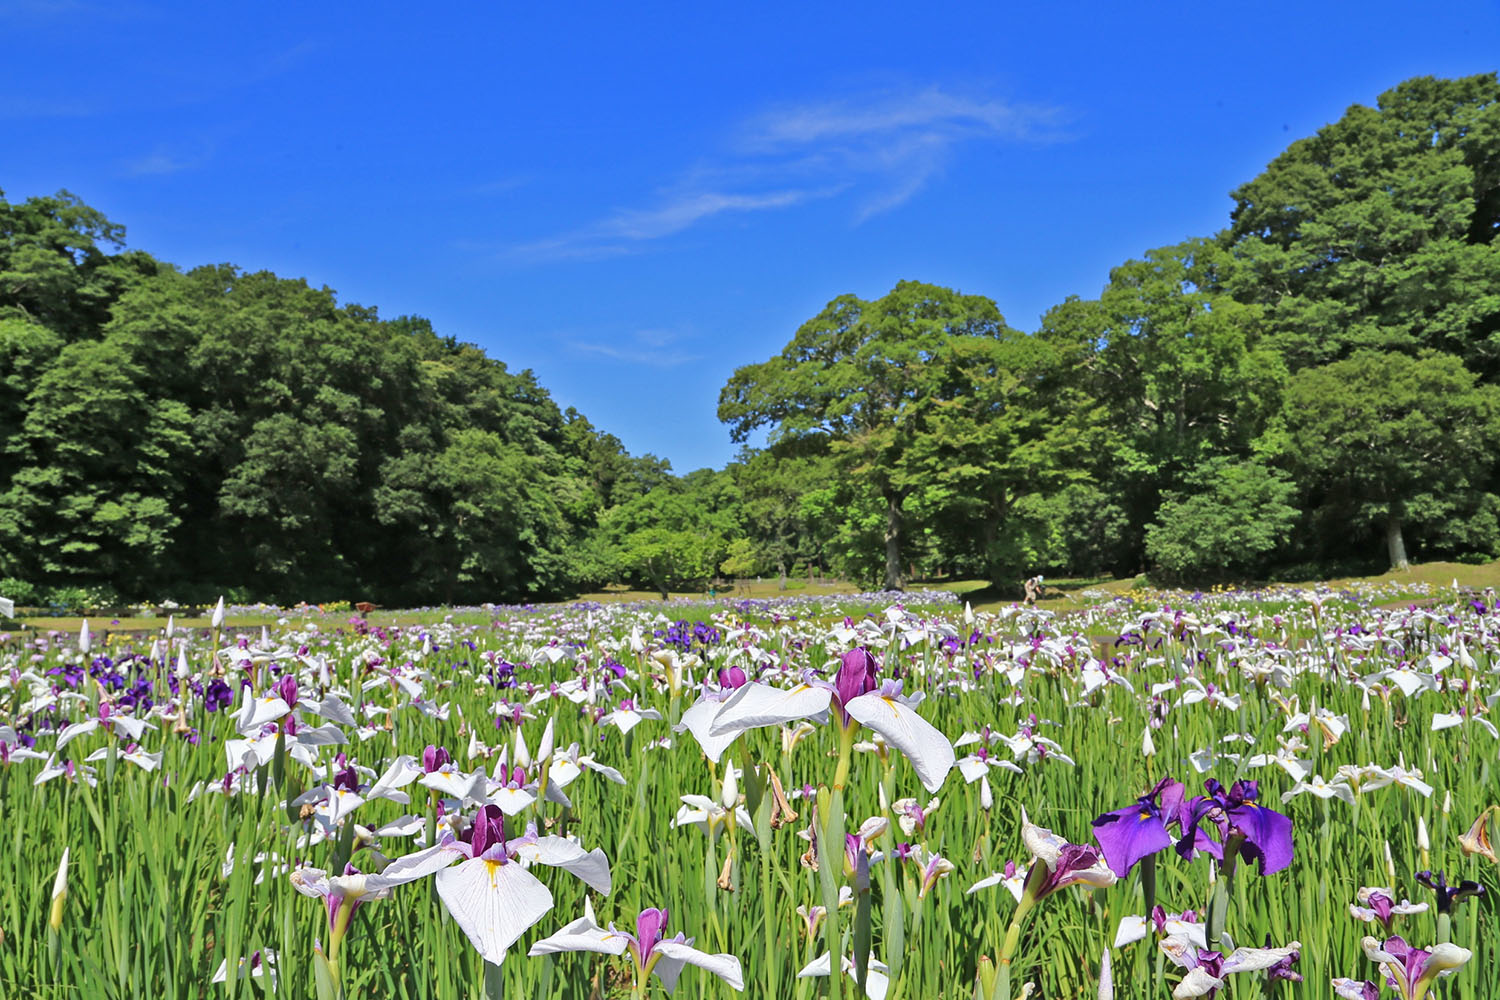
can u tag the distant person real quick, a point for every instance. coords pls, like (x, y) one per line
(1033, 588)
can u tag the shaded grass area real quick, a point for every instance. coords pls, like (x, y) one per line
(1060, 595)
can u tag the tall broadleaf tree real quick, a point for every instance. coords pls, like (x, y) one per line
(1395, 442)
(1382, 231)
(864, 376)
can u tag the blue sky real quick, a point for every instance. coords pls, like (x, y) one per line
(632, 200)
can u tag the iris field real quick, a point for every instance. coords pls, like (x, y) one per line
(1285, 793)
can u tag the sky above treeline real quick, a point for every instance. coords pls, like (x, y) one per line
(632, 200)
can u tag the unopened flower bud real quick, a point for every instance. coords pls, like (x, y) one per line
(729, 792)
(59, 893)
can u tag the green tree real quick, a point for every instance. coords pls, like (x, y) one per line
(1005, 431)
(863, 377)
(1386, 439)
(95, 487)
(1171, 372)
(1382, 231)
(54, 266)
(1236, 513)
(675, 536)
(772, 485)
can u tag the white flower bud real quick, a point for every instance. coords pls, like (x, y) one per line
(59, 893)
(549, 742)
(729, 794)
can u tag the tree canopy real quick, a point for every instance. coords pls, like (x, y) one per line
(1311, 389)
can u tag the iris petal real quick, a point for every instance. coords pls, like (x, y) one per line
(1128, 835)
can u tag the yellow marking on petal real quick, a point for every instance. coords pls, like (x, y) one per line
(493, 866)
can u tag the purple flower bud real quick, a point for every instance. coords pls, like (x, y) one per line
(648, 930)
(488, 831)
(857, 674)
(435, 758)
(732, 677)
(286, 689)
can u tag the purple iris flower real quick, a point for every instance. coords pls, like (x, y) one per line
(858, 674)
(1076, 864)
(1137, 831)
(1160, 916)
(732, 678)
(1283, 969)
(217, 696)
(1260, 834)
(1409, 971)
(1448, 895)
(346, 778)
(286, 689)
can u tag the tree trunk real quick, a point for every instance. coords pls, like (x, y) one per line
(892, 543)
(1000, 576)
(1395, 544)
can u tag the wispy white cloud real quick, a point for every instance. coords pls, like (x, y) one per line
(28, 106)
(932, 112)
(628, 230)
(693, 207)
(499, 185)
(890, 146)
(38, 10)
(878, 151)
(652, 347)
(162, 161)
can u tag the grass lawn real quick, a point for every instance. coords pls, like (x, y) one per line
(1062, 595)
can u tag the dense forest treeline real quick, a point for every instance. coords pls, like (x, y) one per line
(1314, 388)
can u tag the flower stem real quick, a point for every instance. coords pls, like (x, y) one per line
(1148, 883)
(1013, 933)
(494, 982)
(1218, 907)
(862, 935)
(831, 859)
